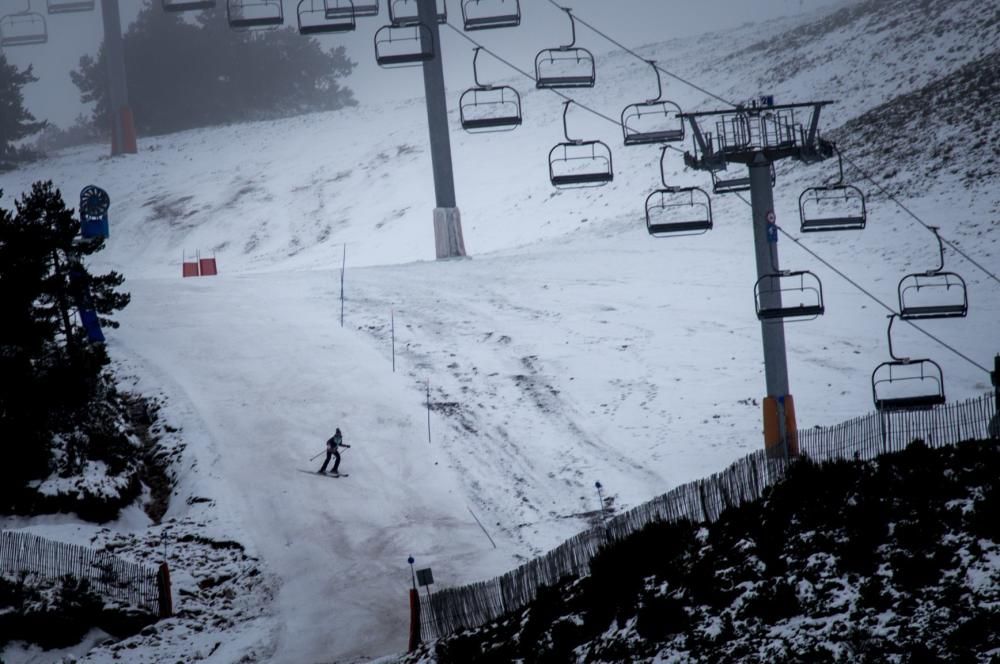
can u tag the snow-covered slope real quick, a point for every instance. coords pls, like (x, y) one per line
(571, 347)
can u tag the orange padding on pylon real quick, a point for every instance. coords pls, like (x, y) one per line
(208, 267)
(772, 431)
(189, 269)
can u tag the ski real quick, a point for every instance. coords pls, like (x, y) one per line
(313, 472)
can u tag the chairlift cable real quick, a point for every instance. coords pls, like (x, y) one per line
(528, 75)
(646, 60)
(868, 177)
(920, 221)
(873, 297)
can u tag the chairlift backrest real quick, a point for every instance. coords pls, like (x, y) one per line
(406, 12)
(318, 17)
(403, 46)
(654, 120)
(255, 14)
(187, 5)
(23, 29)
(566, 66)
(68, 6)
(576, 163)
(489, 14)
(676, 211)
(789, 295)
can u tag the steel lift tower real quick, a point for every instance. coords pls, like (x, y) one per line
(757, 135)
(123, 139)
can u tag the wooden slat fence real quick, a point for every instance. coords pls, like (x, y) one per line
(110, 576)
(451, 609)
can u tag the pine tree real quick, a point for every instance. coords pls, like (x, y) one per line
(15, 120)
(48, 369)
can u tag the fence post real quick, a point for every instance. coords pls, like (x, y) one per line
(163, 585)
(414, 619)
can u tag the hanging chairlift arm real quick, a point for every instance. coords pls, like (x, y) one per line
(572, 26)
(475, 70)
(565, 128)
(659, 83)
(937, 236)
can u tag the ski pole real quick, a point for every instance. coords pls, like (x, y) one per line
(317, 456)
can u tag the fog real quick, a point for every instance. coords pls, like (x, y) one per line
(632, 22)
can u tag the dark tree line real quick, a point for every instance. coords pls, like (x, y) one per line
(15, 120)
(51, 376)
(184, 74)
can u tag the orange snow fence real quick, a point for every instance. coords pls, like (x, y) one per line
(190, 269)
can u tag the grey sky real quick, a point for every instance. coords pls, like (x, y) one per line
(633, 22)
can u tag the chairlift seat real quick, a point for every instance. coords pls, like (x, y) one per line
(357, 9)
(909, 403)
(394, 45)
(848, 209)
(637, 133)
(905, 384)
(272, 14)
(592, 157)
(934, 294)
(399, 19)
(23, 29)
(315, 17)
(173, 6)
(669, 214)
(69, 6)
(770, 289)
(583, 72)
(486, 20)
(490, 108)
(730, 185)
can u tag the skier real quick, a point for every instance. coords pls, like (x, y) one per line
(336, 441)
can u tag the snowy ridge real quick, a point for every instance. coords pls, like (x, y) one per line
(571, 347)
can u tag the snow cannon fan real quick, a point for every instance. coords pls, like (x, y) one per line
(94, 204)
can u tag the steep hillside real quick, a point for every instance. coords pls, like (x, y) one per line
(892, 561)
(944, 131)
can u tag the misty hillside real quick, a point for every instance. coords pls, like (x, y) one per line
(570, 347)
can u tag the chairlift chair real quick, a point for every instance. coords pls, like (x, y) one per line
(677, 211)
(934, 293)
(24, 28)
(486, 108)
(254, 14)
(566, 66)
(174, 6)
(406, 12)
(68, 6)
(578, 163)
(904, 384)
(489, 14)
(724, 185)
(832, 207)
(338, 9)
(789, 295)
(403, 46)
(315, 17)
(654, 120)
